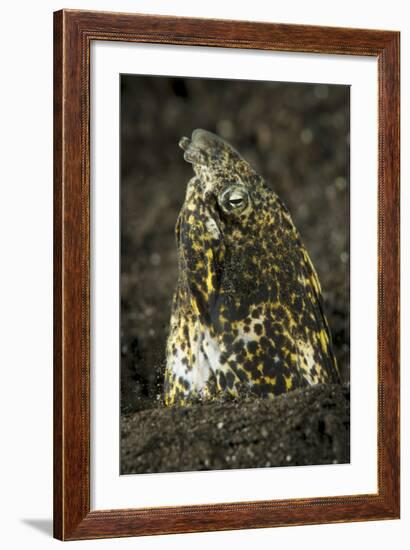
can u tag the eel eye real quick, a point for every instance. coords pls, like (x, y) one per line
(235, 201)
(234, 198)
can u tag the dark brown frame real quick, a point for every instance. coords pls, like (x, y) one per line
(73, 33)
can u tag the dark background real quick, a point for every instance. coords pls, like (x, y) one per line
(295, 135)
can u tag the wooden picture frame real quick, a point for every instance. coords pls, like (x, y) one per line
(73, 33)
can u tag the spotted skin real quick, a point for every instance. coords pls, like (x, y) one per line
(247, 315)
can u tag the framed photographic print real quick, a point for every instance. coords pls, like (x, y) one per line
(226, 285)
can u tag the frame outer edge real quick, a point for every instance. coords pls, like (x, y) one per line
(58, 492)
(389, 167)
(71, 420)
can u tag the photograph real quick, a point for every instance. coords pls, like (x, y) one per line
(235, 274)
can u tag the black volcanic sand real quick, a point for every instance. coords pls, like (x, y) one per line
(297, 137)
(301, 428)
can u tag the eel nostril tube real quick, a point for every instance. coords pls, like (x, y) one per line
(184, 143)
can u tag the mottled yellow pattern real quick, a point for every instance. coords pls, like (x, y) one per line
(247, 313)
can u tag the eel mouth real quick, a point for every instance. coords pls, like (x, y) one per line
(202, 146)
(192, 154)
